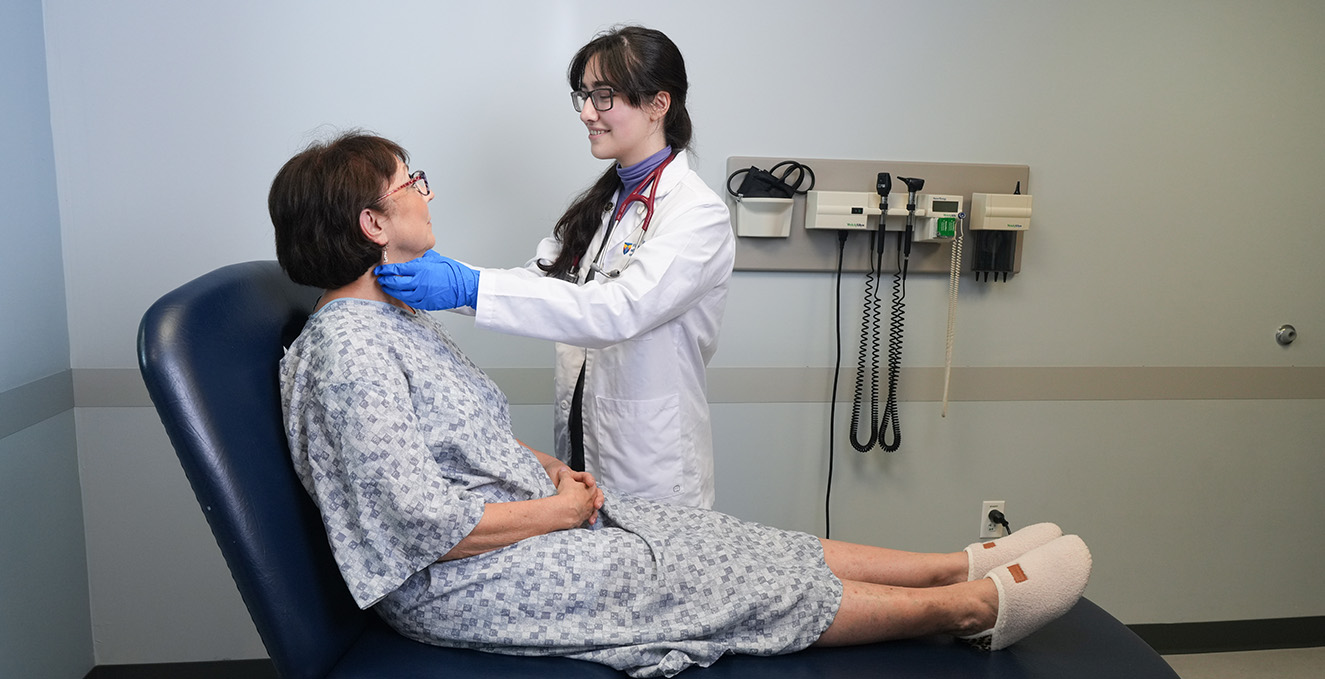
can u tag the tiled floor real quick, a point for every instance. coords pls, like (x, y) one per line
(1292, 663)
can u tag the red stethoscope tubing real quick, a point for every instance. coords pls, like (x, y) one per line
(651, 180)
(637, 196)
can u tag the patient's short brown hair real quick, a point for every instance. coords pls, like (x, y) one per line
(315, 201)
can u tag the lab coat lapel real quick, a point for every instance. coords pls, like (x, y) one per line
(672, 175)
(671, 178)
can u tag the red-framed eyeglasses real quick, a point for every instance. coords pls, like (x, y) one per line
(417, 179)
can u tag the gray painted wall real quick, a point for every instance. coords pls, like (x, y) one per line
(45, 630)
(35, 335)
(1167, 143)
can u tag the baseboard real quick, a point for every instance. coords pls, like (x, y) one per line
(1233, 635)
(221, 669)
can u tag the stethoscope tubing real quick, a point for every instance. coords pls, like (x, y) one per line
(651, 180)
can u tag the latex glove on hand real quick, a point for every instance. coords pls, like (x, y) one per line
(431, 282)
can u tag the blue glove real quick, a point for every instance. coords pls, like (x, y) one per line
(431, 282)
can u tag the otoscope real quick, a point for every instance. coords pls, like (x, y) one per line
(884, 187)
(913, 186)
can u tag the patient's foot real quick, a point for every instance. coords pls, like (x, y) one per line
(1035, 589)
(983, 557)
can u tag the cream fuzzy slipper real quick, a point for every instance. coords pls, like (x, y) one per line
(983, 557)
(1035, 589)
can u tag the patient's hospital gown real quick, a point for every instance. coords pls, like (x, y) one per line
(400, 440)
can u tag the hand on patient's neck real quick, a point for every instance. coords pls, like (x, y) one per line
(363, 287)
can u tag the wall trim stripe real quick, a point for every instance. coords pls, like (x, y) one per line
(110, 388)
(35, 402)
(813, 385)
(31, 403)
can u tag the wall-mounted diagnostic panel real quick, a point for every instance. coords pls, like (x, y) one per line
(888, 220)
(846, 198)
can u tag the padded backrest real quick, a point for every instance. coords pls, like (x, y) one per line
(209, 353)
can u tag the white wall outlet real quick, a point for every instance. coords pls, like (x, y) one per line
(989, 529)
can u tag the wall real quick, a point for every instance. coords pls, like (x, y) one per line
(1151, 129)
(45, 630)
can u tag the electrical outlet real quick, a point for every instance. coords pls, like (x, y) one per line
(989, 529)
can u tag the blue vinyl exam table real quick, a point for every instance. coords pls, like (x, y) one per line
(208, 353)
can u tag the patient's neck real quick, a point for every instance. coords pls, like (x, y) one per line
(363, 287)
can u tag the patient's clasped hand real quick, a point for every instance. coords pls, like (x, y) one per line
(459, 535)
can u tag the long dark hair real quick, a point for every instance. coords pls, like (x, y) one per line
(638, 63)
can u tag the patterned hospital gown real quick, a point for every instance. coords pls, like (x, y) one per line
(400, 440)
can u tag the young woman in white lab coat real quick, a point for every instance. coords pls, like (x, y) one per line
(635, 302)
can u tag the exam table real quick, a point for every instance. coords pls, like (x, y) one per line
(208, 352)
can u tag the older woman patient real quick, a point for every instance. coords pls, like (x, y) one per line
(459, 535)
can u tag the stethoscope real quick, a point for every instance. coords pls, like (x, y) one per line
(631, 244)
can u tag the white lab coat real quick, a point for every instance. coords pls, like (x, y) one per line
(644, 338)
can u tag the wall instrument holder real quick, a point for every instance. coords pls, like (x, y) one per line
(816, 250)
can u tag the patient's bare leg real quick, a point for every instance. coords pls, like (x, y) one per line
(882, 566)
(871, 612)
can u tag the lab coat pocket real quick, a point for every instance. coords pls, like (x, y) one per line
(639, 446)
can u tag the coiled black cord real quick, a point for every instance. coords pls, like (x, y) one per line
(869, 353)
(895, 357)
(887, 433)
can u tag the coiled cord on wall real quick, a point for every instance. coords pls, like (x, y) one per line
(869, 362)
(887, 433)
(868, 356)
(890, 420)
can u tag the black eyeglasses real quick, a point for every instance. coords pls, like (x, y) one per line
(417, 179)
(601, 97)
